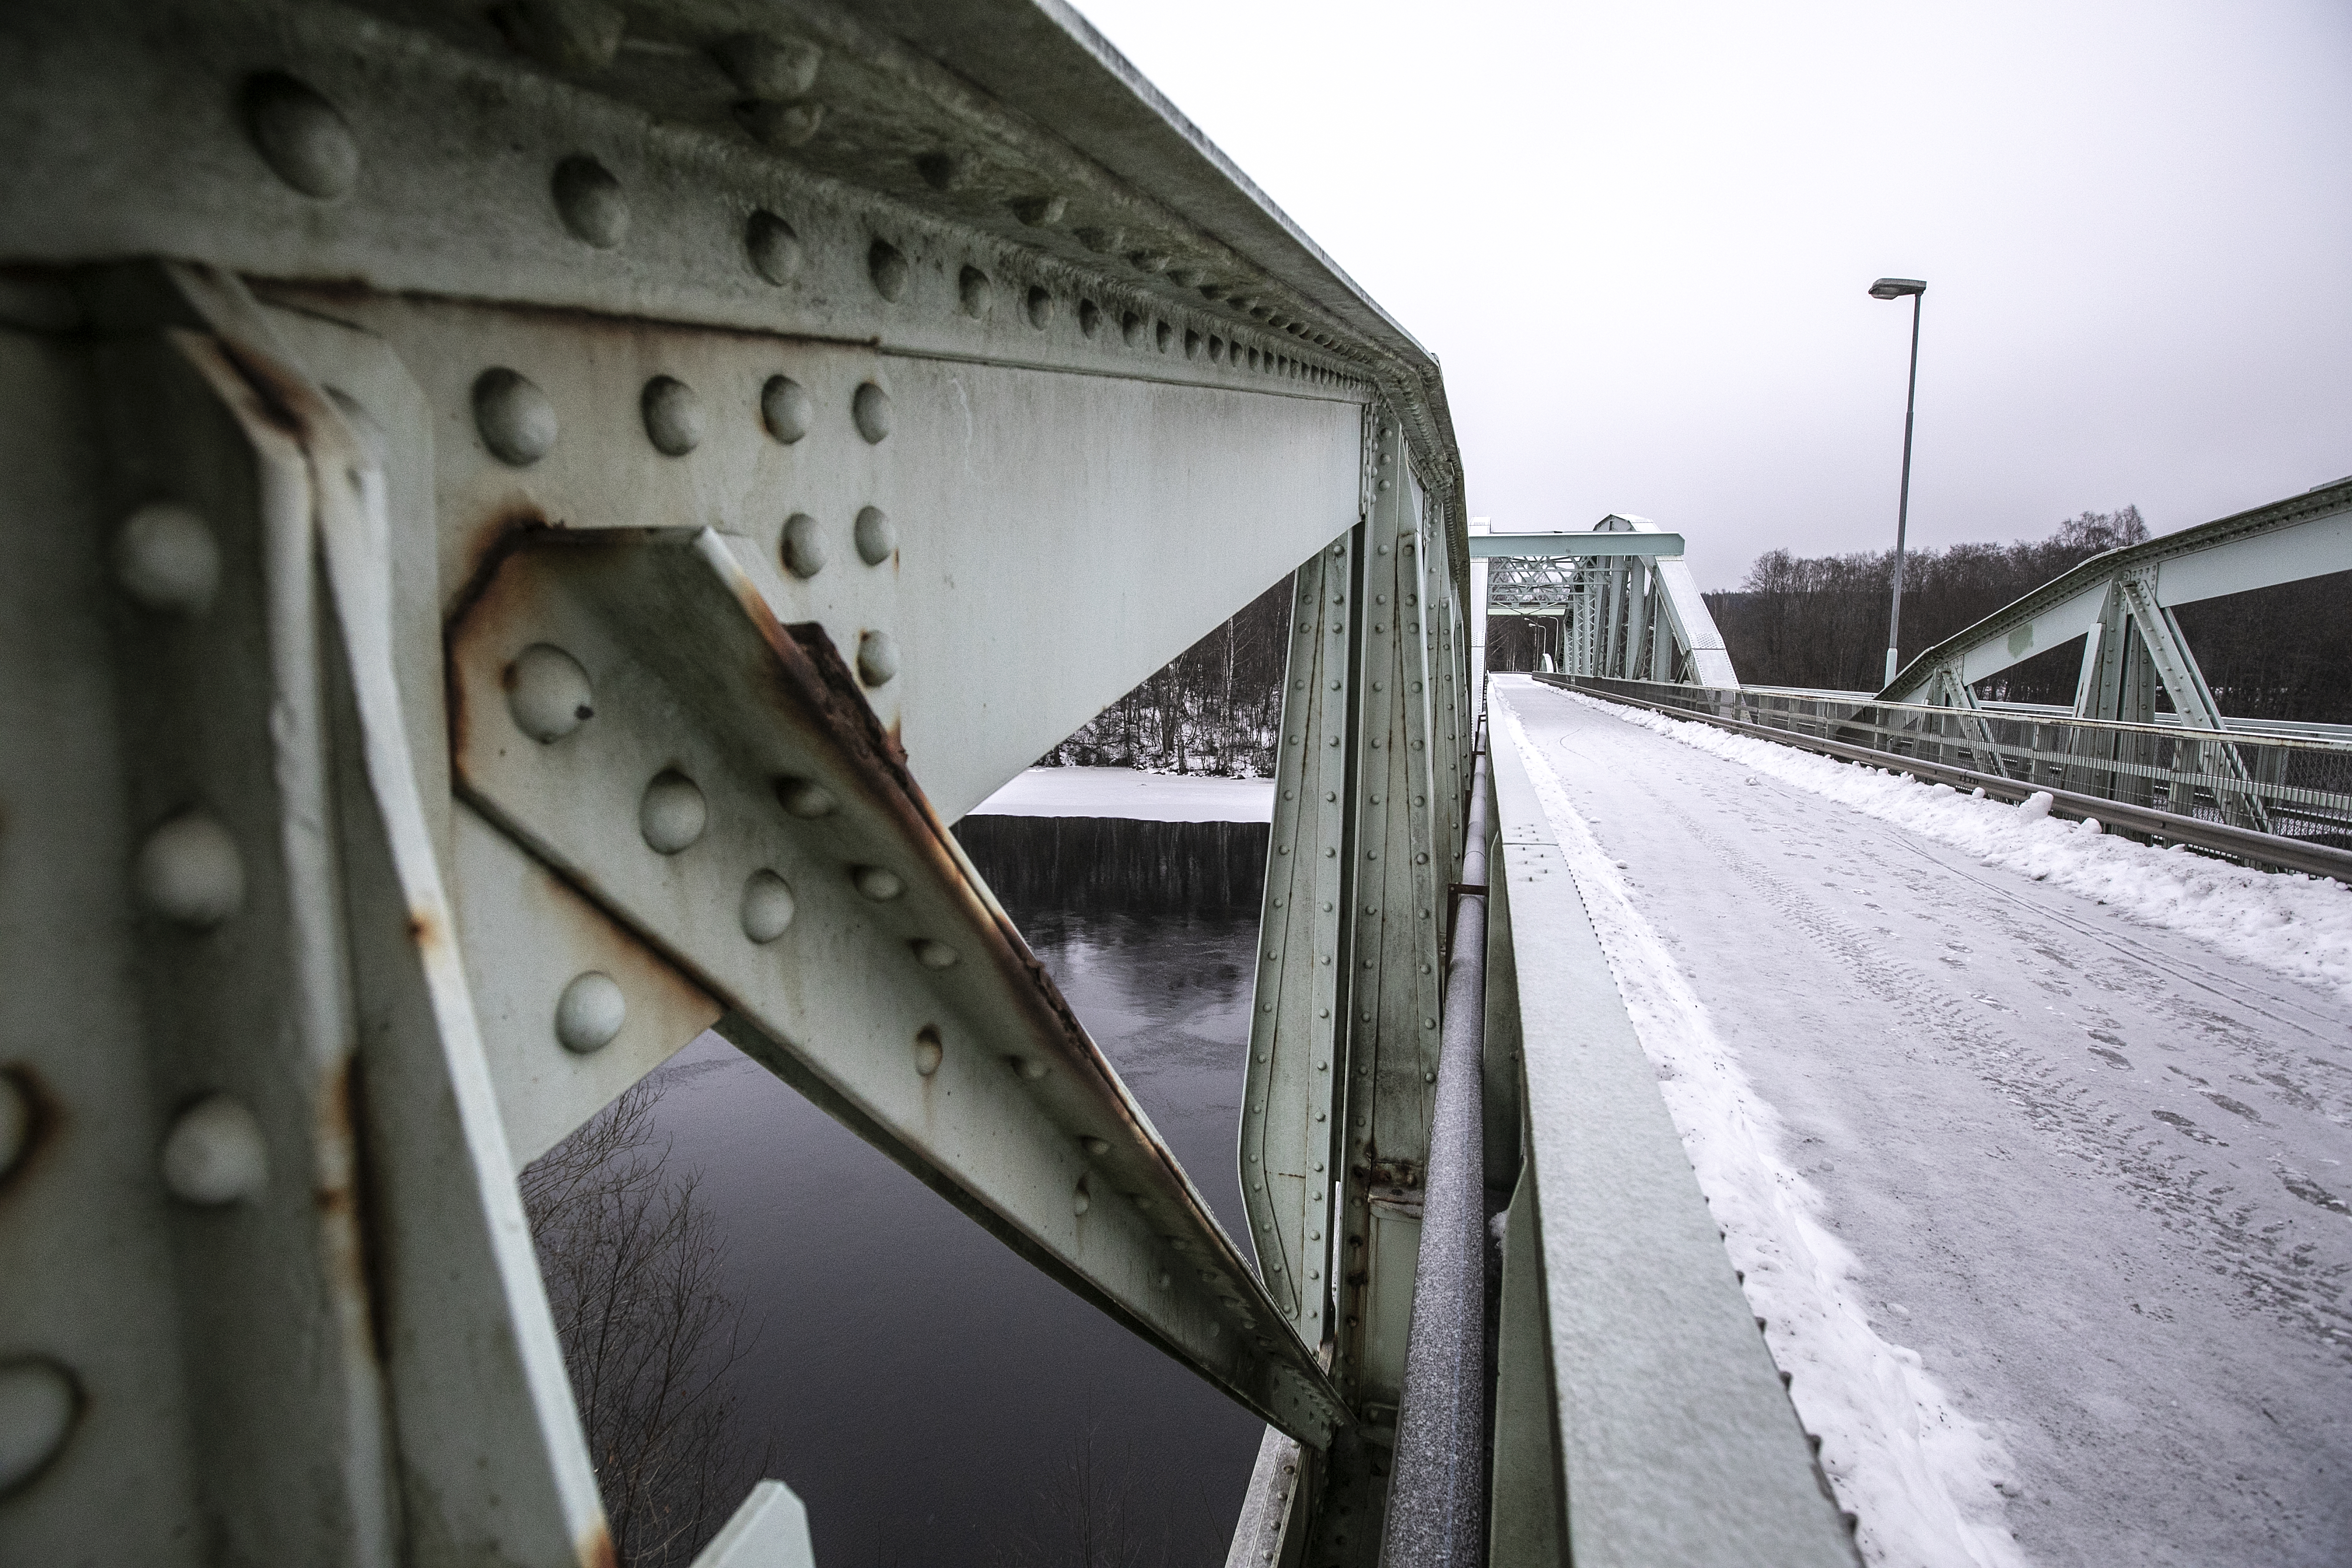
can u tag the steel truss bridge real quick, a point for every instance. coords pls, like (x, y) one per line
(527, 521)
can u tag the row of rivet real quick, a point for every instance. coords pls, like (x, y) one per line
(188, 872)
(518, 423)
(305, 139)
(549, 696)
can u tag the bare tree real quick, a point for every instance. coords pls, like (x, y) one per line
(632, 1262)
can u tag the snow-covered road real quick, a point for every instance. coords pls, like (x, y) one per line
(2090, 1166)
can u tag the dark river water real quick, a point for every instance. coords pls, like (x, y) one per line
(933, 1400)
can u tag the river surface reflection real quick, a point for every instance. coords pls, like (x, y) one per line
(932, 1399)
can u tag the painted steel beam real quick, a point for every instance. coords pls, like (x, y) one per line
(1571, 546)
(2303, 536)
(583, 423)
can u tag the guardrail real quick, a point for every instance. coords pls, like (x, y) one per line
(2165, 784)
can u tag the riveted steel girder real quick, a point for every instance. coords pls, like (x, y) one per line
(857, 398)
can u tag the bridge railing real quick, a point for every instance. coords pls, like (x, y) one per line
(2288, 787)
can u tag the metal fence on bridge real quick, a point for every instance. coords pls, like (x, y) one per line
(2293, 787)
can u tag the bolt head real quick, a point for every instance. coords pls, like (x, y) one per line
(672, 813)
(773, 247)
(548, 693)
(590, 200)
(876, 535)
(189, 871)
(869, 408)
(589, 1012)
(887, 266)
(300, 135)
(515, 419)
(38, 1402)
(166, 559)
(802, 546)
(877, 659)
(673, 416)
(767, 906)
(785, 409)
(876, 883)
(804, 798)
(214, 1153)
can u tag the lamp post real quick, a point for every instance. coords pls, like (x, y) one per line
(1896, 289)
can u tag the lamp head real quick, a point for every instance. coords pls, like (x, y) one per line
(1896, 288)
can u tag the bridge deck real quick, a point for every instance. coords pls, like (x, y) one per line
(2092, 1170)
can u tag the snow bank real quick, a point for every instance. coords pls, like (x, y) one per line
(2291, 925)
(1923, 1478)
(1125, 792)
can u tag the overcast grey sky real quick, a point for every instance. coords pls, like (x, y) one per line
(1640, 236)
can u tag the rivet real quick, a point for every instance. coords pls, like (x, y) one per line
(300, 135)
(1040, 307)
(869, 408)
(214, 1153)
(514, 417)
(1429, 1023)
(802, 545)
(773, 246)
(876, 883)
(591, 201)
(888, 268)
(1429, 1076)
(1079, 1202)
(785, 409)
(936, 954)
(1095, 1146)
(929, 1051)
(1089, 316)
(673, 416)
(165, 558)
(189, 871)
(1029, 1067)
(877, 658)
(39, 1402)
(767, 906)
(781, 124)
(1164, 1280)
(768, 68)
(876, 535)
(804, 798)
(672, 813)
(1036, 212)
(548, 693)
(973, 292)
(589, 1012)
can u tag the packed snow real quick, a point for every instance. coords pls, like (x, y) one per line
(2029, 1142)
(2297, 925)
(1129, 793)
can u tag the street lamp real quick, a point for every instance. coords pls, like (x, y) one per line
(1896, 289)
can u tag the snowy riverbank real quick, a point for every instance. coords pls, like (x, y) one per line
(1132, 793)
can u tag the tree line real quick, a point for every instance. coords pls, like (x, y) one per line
(1821, 621)
(1216, 708)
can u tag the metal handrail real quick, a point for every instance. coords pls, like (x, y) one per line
(2239, 842)
(1437, 1500)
